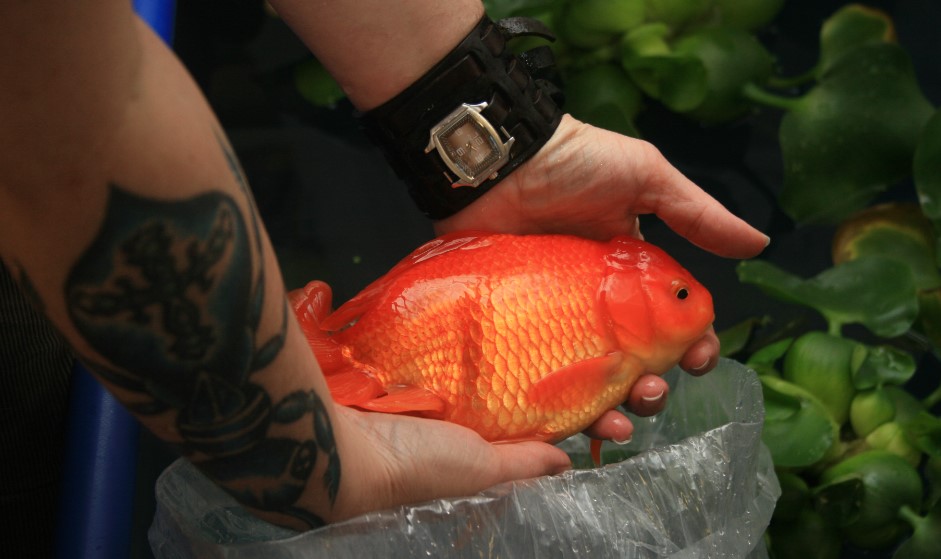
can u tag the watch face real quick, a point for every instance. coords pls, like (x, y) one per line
(469, 145)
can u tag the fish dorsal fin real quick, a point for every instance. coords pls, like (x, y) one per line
(347, 313)
(576, 384)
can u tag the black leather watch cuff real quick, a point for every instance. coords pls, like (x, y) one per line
(522, 96)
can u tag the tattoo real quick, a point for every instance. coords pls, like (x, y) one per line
(170, 296)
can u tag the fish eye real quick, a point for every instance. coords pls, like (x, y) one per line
(682, 293)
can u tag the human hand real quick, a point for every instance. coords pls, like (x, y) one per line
(595, 183)
(401, 459)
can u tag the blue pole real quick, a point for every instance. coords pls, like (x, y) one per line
(99, 470)
(159, 14)
(99, 473)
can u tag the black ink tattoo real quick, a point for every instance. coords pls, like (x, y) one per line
(170, 295)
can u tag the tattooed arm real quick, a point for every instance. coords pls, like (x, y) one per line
(124, 214)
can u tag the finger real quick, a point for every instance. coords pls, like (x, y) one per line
(611, 426)
(528, 460)
(702, 356)
(696, 215)
(648, 396)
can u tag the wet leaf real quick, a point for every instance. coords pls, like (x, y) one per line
(853, 135)
(872, 291)
(798, 430)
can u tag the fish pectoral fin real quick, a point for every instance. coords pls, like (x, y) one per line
(595, 451)
(352, 388)
(576, 384)
(406, 399)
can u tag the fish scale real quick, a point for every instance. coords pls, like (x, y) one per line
(516, 337)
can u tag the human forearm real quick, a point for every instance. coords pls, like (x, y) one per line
(144, 249)
(376, 48)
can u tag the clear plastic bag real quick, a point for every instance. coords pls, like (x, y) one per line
(701, 485)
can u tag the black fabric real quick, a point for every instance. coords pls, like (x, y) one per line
(34, 378)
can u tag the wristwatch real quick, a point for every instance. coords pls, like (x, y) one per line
(476, 116)
(470, 146)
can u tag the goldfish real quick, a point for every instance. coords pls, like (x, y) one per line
(518, 337)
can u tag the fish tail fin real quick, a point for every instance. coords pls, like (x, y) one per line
(312, 304)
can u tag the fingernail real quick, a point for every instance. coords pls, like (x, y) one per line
(703, 366)
(652, 398)
(767, 241)
(622, 443)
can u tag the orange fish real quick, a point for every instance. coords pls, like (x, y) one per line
(516, 337)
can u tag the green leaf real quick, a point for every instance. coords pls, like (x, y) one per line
(872, 291)
(933, 477)
(732, 59)
(925, 542)
(795, 497)
(853, 135)
(849, 28)
(316, 85)
(678, 81)
(603, 95)
(749, 15)
(924, 431)
(879, 365)
(677, 13)
(821, 364)
(798, 430)
(810, 535)
(734, 339)
(839, 500)
(889, 483)
(869, 410)
(898, 231)
(927, 168)
(609, 16)
(770, 353)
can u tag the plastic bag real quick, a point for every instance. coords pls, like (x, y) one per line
(703, 486)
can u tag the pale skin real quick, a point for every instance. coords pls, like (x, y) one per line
(100, 123)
